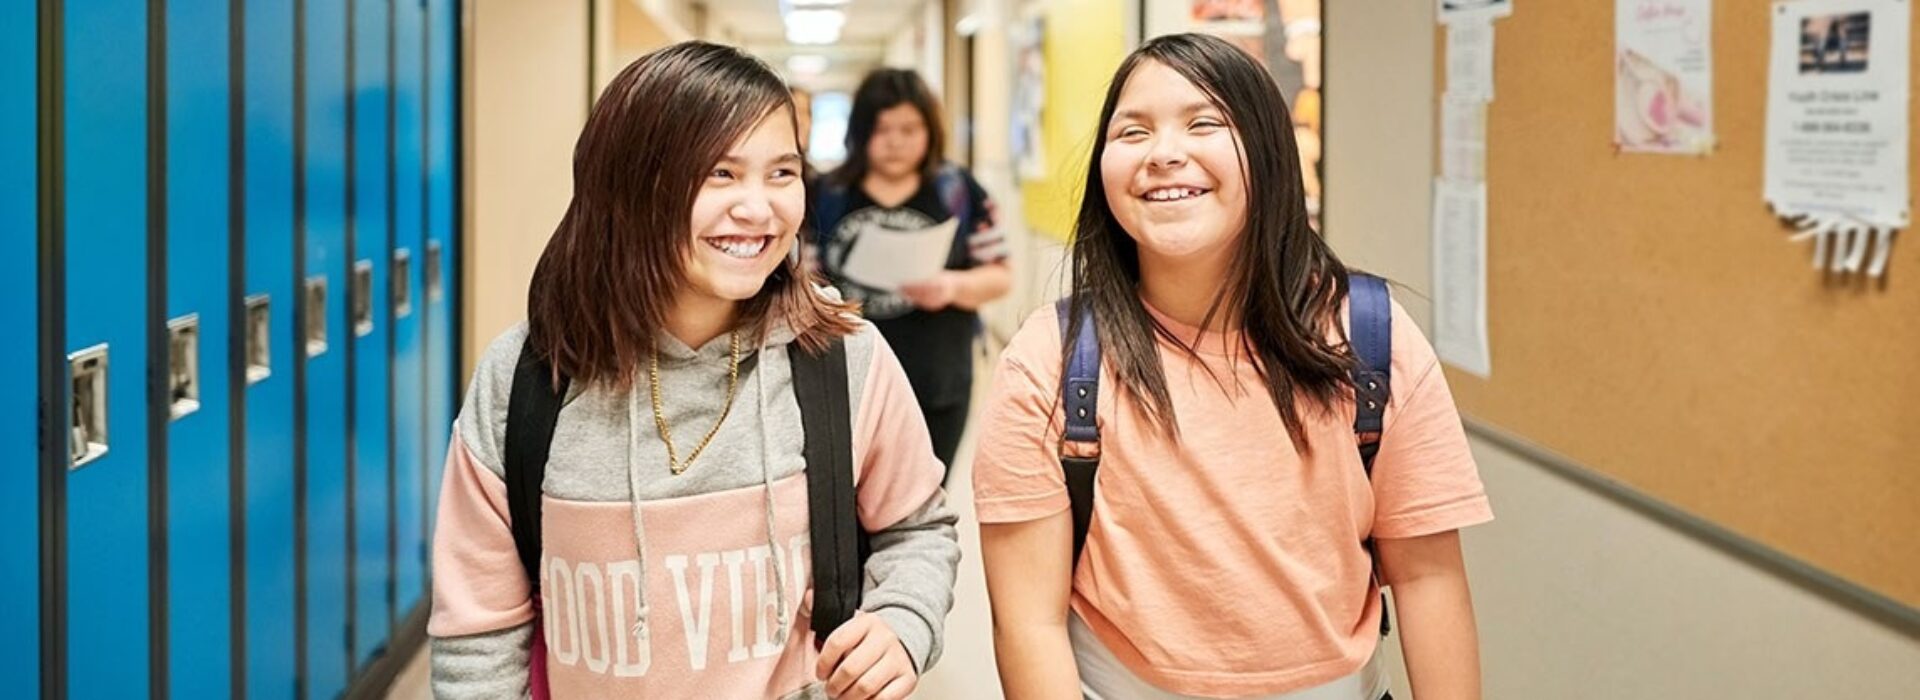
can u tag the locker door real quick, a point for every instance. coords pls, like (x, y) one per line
(442, 138)
(19, 383)
(372, 343)
(106, 262)
(199, 552)
(325, 293)
(267, 325)
(409, 393)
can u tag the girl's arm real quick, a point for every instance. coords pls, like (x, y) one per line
(963, 289)
(916, 551)
(1029, 576)
(482, 623)
(1437, 632)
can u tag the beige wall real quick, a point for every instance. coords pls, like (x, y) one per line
(527, 89)
(1577, 596)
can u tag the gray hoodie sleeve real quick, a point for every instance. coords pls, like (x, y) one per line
(486, 665)
(910, 579)
(480, 633)
(916, 550)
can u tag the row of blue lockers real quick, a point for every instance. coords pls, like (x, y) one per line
(230, 232)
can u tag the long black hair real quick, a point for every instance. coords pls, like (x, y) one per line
(881, 90)
(1285, 284)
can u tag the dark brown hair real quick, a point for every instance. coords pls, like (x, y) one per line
(606, 282)
(882, 90)
(1285, 283)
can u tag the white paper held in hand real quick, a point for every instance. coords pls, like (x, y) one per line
(884, 259)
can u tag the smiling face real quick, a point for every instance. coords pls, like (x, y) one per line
(747, 214)
(1172, 168)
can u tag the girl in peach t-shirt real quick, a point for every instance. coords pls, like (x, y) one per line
(1226, 554)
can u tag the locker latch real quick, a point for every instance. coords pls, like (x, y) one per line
(402, 275)
(183, 365)
(316, 300)
(359, 295)
(259, 333)
(434, 288)
(87, 406)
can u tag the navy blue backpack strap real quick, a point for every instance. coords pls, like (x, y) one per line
(1370, 333)
(951, 185)
(1080, 397)
(1370, 319)
(533, 409)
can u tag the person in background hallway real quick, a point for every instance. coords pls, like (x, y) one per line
(1227, 553)
(895, 181)
(669, 298)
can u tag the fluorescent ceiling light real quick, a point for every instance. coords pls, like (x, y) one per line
(815, 26)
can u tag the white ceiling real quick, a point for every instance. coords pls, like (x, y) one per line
(757, 26)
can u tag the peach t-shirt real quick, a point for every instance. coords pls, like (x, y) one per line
(1229, 564)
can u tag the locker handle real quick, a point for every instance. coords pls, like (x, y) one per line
(259, 337)
(435, 289)
(316, 310)
(359, 291)
(183, 366)
(402, 275)
(87, 406)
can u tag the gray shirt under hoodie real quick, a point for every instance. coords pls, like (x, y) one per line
(607, 450)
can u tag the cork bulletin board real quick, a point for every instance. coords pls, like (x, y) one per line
(1649, 321)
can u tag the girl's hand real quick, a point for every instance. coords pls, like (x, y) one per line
(932, 294)
(864, 660)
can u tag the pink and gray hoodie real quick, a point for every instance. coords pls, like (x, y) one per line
(656, 585)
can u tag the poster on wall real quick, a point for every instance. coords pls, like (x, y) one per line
(1029, 98)
(1837, 127)
(1284, 35)
(1663, 76)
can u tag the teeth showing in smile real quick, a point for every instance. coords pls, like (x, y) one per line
(740, 246)
(1174, 194)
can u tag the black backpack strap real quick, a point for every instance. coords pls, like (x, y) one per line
(1370, 323)
(839, 543)
(1080, 395)
(533, 408)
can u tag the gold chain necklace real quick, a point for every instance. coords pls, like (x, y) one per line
(660, 415)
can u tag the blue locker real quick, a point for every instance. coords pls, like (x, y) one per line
(409, 392)
(106, 297)
(442, 138)
(199, 589)
(268, 327)
(372, 349)
(19, 387)
(325, 288)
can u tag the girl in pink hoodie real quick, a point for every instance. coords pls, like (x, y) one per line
(675, 536)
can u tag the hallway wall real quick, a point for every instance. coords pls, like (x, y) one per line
(1577, 595)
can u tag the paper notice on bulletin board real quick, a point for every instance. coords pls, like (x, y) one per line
(1470, 59)
(1463, 138)
(1451, 10)
(1663, 76)
(1460, 275)
(1837, 112)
